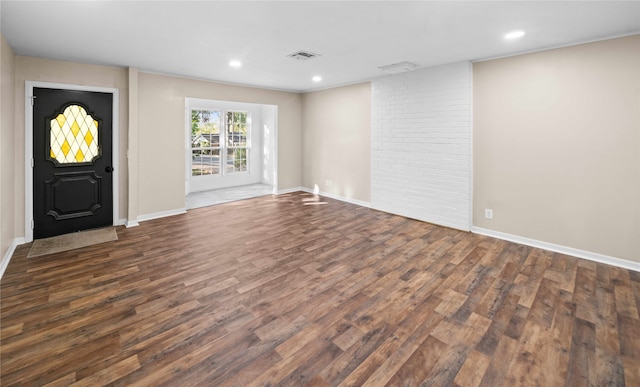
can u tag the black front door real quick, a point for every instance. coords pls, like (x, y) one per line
(72, 180)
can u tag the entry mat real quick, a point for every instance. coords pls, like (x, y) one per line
(72, 241)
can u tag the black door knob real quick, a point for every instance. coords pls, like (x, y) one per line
(108, 169)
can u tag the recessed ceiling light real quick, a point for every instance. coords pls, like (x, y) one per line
(514, 35)
(316, 78)
(235, 63)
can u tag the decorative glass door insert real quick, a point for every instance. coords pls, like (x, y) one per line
(73, 136)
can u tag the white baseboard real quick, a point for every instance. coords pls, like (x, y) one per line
(7, 256)
(623, 263)
(426, 220)
(289, 190)
(158, 215)
(131, 224)
(337, 197)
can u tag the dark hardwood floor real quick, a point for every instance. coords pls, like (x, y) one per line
(291, 291)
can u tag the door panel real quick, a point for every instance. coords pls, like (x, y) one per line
(62, 200)
(72, 151)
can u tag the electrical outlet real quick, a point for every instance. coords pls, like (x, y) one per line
(328, 183)
(488, 213)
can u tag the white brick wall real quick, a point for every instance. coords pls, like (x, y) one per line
(421, 144)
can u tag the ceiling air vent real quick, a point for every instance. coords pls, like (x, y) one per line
(398, 67)
(302, 55)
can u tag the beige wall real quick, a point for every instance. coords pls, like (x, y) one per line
(7, 146)
(557, 145)
(336, 141)
(161, 135)
(160, 169)
(44, 70)
(556, 141)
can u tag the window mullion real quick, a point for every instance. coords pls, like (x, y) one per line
(223, 143)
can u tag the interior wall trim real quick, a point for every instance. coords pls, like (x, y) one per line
(591, 256)
(338, 197)
(289, 190)
(157, 215)
(131, 224)
(7, 256)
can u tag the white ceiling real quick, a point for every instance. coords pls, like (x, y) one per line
(198, 39)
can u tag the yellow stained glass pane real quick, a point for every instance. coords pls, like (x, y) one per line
(75, 128)
(61, 120)
(65, 147)
(88, 138)
(79, 156)
(74, 136)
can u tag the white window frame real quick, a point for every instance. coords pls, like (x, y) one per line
(261, 146)
(221, 139)
(224, 146)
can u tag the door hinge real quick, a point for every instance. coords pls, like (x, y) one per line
(33, 100)
(33, 224)
(33, 163)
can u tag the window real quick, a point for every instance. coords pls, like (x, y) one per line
(219, 138)
(236, 142)
(205, 142)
